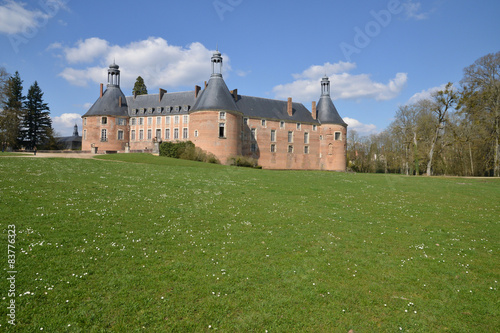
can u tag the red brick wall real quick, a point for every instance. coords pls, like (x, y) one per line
(91, 133)
(333, 152)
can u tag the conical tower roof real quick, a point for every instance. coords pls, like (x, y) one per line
(109, 104)
(327, 112)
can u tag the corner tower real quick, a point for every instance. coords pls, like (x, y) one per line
(105, 123)
(333, 147)
(215, 121)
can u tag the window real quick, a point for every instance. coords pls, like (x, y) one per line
(158, 120)
(273, 148)
(222, 115)
(133, 121)
(298, 126)
(222, 131)
(306, 149)
(263, 122)
(167, 120)
(150, 121)
(306, 138)
(176, 133)
(141, 121)
(253, 137)
(104, 120)
(176, 120)
(196, 134)
(141, 135)
(120, 135)
(84, 134)
(185, 133)
(150, 134)
(290, 136)
(315, 127)
(245, 121)
(185, 119)
(330, 149)
(253, 147)
(338, 136)
(158, 134)
(84, 121)
(104, 135)
(282, 124)
(290, 149)
(121, 121)
(273, 135)
(167, 134)
(132, 135)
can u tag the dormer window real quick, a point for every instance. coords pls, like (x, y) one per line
(104, 120)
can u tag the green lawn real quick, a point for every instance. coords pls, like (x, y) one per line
(134, 242)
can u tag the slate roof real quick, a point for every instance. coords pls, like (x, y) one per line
(327, 112)
(215, 96)
(107, 105)
(177, 102)
(273, 109)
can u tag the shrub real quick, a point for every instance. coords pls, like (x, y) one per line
(186, 150)
(243, 161)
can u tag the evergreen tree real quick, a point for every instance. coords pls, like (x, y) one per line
(36, 125)
(11, 111)
(139, 87)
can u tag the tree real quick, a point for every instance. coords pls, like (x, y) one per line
(445, 100)
(36, 124)
(481, 102)
(11, 112)
(139, 87)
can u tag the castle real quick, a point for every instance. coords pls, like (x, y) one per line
(279, 134)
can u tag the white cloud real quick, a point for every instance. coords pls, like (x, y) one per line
(63, 124)
(15, 18)
(306, 86)
(362, 129)
(425, 94)
(413, 11)
(159, 64)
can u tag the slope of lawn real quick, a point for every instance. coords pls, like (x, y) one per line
(134, 242)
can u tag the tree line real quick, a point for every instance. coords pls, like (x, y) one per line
(24, 120)
(454, 132)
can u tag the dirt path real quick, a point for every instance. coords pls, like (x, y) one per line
(61, 155)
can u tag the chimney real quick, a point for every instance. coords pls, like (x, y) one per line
(205, 84)
(135, 94)
(162, 92)
(196, 91)
(235, 94)
(120, 101)
(313, 111)
(101, 90)
(289, 108)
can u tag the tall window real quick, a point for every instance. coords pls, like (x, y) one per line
(176, 120)
(158, 134)
(282, 124)
(132, 135)
(158, 120)
(84, 134)
(306, 149)
(315, 127)
(298, 126)
(273, 135)
(120, 135)
(185, 119)
(167, 120)
(85, 121)
(185, 133)
(141, 121)
(245, 121)
(273, 148)
(263, 122)
(150, 121)
(141, 134)
(254, 137)
(222, 132)
(306, 137)
(222, 115)
(290, 136)
(253, 147)
(133, 121)
(167, 134)
(176, 133)
(104, 135)
(290, 149)
(150, 134)
(104, 120)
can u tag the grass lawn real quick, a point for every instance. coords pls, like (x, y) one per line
(134, 242)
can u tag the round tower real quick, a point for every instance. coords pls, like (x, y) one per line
(333, 132)
(105, 123)
(215, 121)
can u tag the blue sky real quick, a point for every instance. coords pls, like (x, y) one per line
(378, 54)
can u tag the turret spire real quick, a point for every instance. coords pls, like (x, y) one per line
(113, 75)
